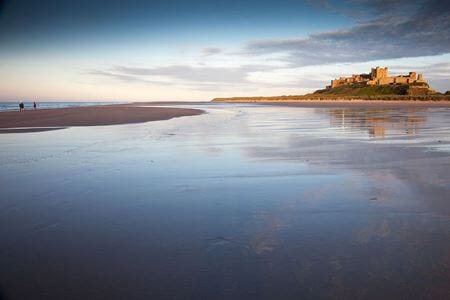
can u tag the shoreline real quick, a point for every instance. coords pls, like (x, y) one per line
(103, 115)
(344, 103)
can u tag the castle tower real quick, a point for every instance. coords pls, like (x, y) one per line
(412, 76)
(419, 77)
(378, 73)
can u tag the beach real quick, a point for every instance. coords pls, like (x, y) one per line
(244, 201)
(51, 119)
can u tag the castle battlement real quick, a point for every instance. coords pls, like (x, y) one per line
(378, 76)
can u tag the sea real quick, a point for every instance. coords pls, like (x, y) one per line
(14, 105)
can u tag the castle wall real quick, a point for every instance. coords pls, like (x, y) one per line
(401, 80)
(385, 80)
(378, 76)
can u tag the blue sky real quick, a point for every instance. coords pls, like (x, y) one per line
(196, 50)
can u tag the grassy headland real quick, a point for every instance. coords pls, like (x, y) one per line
(351, 92)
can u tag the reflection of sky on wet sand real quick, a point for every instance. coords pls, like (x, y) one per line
(243, 202)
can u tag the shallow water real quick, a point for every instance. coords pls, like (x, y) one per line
(243, 202)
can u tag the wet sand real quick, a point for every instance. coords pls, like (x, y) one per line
(52, 119)
(243, 202)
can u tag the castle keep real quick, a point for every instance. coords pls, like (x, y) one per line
(379, 76)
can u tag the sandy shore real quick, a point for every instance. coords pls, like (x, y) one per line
(51, 119)
(347, 103)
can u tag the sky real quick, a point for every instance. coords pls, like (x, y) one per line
(173, 50)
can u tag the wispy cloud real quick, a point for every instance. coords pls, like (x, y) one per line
(203, 74)
(211, 51)
(183, 75)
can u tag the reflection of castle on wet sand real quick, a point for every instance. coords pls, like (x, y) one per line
(379, 121)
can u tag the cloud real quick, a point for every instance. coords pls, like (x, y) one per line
(423, 31)
(203, 74)
(204, 77)
(362, 10)
(212, 51)
(387, 7)
(125, 77)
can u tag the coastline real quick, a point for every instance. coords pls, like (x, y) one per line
(60, 118)
(342, 102)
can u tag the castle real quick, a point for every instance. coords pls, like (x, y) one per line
(379, 76)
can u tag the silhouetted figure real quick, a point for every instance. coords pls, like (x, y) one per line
(21, 106)
(34, 105)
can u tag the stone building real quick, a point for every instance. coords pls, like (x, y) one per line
(378, 76)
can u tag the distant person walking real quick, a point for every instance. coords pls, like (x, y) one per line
(34, 105)
(21, 106)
